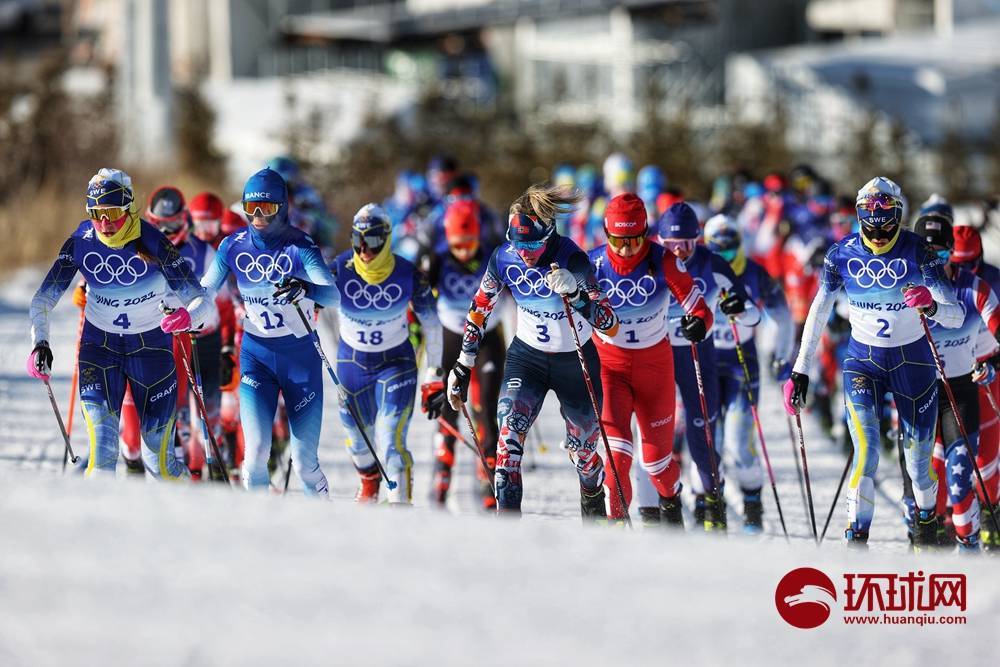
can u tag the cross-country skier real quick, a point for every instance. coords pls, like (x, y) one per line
(888, 273)
(129, 267)
(678, 233)
(277, 354)
(375, 361)
(735, 430)
(543, 354)
(637, 366)
(456, 276)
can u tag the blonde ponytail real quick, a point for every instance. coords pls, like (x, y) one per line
(545, 202)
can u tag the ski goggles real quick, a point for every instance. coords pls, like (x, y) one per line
(266, 209)
(372, 241)
(618, 242)
(109, 212)
(464, 245)
(529, 246)
(170, 226)
(683, 245)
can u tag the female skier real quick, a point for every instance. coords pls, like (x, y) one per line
(543, 355)
(456, 276)
(637, 366)
(888, 273)
(375, 360)
(129, 267)
(277, 354)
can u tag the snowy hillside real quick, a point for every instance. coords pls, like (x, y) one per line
(119, 572)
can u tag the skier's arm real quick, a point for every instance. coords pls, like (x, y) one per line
(727, 280)
(776, 309)
(590, 302)
(57, 280)
(321, 287)
(830, 282)
(948, 312)
(425, 307)
(182, 281)
(988, 306)
(686, 290)
(490, 289)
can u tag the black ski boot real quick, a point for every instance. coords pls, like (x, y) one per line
(650, 516)
(592, 505)
(670, 512)
(753, 513)
(699, 508)
(925, 527)
(134, 467)
(715, 514)
(856, 539)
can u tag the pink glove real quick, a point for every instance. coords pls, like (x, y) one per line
(179, 320)
(787, 392)
(40, 360)
(918, 297)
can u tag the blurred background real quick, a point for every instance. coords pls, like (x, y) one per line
(715, 93)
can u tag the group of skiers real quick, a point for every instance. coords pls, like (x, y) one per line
(199, 350)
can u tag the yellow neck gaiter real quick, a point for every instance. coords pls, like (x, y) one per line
(739, 262)
(884, 249)
(129, 232)
(379, 268)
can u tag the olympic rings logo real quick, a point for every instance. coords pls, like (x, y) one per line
(626, 291)
(263, 267)
(876, 271)
(379, 297)
(461, 285)
(527, 282)
(114, 268)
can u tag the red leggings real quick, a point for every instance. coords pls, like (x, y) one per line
(989, 439)
(641, 382)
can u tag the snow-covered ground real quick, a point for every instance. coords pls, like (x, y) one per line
(133, 573)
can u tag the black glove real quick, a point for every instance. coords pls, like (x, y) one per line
(42, 354)
(458, 382)
(227, 364)
(693, 328)
(292, 289)
(800, 385)
(732, 305)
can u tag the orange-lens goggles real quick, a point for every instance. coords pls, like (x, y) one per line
(464, 245)
(111, 213)
(266, 208)
(622, 241)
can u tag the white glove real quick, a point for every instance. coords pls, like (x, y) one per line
(561, 281)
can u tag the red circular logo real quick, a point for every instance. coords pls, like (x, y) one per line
(804, 597)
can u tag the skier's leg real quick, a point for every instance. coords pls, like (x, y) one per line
(131, 441)
(258, 403)
(395, 391)
(209, 359)
(300, 373)
(583, 434)
(355, 370)
(652, 372)
(616, 415)
(444, 442)
(959, 477)
(489, 366)
(152, 374)
(989, 439)
(863, 391)
(102, 386)
(695, 426)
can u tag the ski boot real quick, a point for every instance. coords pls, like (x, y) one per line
(715, 514)
(753, 513)
(649, 516)
(699, 508)
(440, 484)
(670, 512)
(857, 540)
(368, 491)
(135, 467)
(924, 533)
(592, 505)
(969, 545)
(988, 536)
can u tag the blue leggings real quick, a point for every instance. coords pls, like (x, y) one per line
(292, 366)
(909, 373)
(146, 362)
(382, 386)
(694, 421)
(736, 428)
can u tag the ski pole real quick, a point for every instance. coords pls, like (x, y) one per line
(593, 403)
(288, 475)
(73, 385)
(805, 475)
(199, 400)
(714, 466)
(55, 408)
(836, 497)
(958, 417)
(756, 420)
(474, 447)
(196, 361)
(798, 466)
(343, 395)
